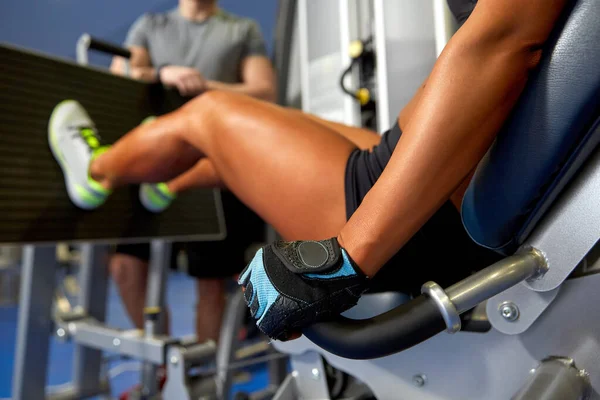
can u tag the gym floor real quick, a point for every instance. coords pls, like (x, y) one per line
(181, 297)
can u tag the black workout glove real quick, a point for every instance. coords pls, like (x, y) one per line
(290, 285)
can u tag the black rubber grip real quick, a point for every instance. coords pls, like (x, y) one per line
(109, 48)
(394, 331)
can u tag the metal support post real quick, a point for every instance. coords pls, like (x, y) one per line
(93, 283)
(495, 279)
(278, 370)
(288, 389)
(232, 321)
(556, 378)
(309, 374)
(160, 256)
(34, 323)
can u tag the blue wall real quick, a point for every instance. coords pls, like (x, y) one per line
(53, 26)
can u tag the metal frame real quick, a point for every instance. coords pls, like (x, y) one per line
(310, 375)
(284, 32)
(232, 322)
(403, 62)
(348, 19)
(288, 389)
(349, 31)
(81, 49)
(470, 365)
(34, 323)
(530, 305)
(160, 256)
(93, 278)
(85, 43)
(303, 47)
(85, 326)
(445, 25)
(568, 232)
(181, 358)
(571, 228)
(90, 333)
(383, 103)
(476, 368)
(556, 378)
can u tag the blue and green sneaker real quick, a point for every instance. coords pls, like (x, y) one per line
(156, 197)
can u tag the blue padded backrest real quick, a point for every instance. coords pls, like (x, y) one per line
(547, 138)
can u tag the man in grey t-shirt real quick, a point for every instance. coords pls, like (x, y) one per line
(194, 48)
(198, 47)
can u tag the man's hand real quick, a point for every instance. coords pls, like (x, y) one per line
(188, 81)
(145, 74)
(290, 285)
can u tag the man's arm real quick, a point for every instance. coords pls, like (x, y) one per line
(258, 79)
(256, 72)
(140, 66)
(469, 94)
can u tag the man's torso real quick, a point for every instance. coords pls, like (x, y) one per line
(215, 46)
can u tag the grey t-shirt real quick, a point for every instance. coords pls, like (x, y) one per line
(215, 47)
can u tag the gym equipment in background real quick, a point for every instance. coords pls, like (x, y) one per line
(37, 214)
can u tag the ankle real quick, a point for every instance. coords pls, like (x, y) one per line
(171, 189)
(95, 172)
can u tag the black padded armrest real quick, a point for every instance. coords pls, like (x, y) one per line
(388, 333)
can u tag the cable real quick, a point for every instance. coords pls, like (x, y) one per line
(343, 78)
(245, 363)
(363, 95)
(120, 369)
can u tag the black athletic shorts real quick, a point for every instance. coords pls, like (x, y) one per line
(441, 251)
(218, 259)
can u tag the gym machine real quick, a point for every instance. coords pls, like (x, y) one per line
(527, 327)
(37, 215)
(350, 52)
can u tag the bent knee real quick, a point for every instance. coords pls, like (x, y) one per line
(219, 101)
(127, 270)
(215, 98)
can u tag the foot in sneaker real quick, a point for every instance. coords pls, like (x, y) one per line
(156, 197)
(75, 143)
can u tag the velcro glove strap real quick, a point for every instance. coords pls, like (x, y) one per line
(310, 256)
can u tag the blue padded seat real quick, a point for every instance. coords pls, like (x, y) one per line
(552, 130)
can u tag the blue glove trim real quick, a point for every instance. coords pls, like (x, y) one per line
(261, 285)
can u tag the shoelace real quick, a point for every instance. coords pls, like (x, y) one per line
(88, 134)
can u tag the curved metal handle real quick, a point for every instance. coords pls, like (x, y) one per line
(394, 331)
(87, 42)
(425, 316)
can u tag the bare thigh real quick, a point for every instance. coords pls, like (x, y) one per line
(289, 169)
(204, 174)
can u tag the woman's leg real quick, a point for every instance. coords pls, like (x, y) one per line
(204, 174)
(201, 175)
(288, 169)
(363, 138)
